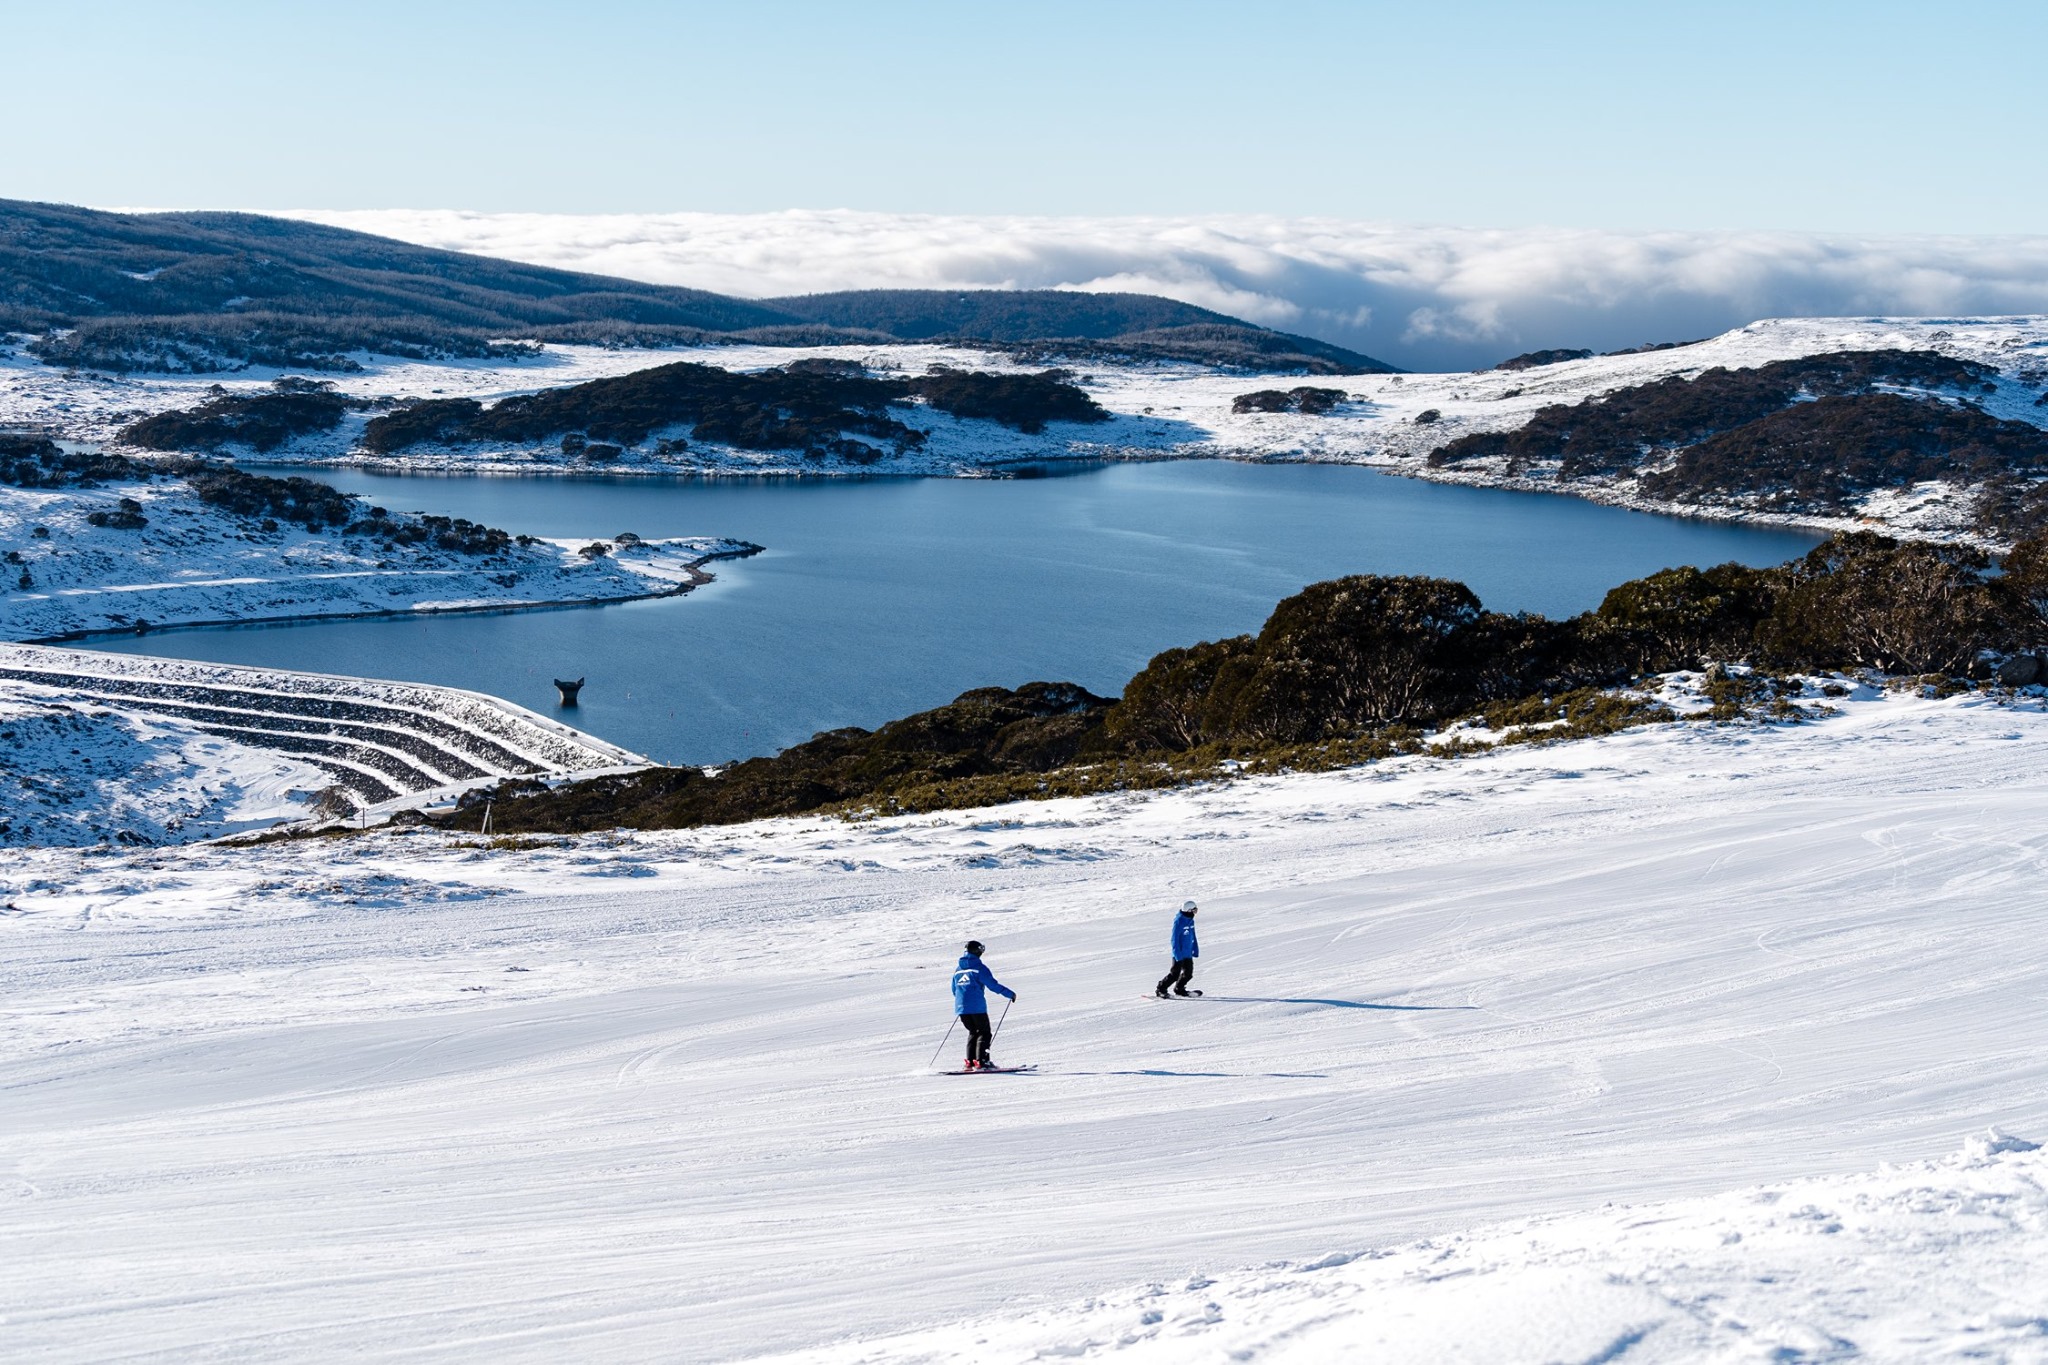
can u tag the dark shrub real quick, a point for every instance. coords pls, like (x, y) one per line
(38, 462)
(1529, 360)
(1314, 402)
(1024, 401)
(1865, 600)
(1679, 618)
(260, 421)
(304, 501)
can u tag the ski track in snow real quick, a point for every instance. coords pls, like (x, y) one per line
(664, 1096)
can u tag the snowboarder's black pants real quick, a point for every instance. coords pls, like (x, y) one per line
(977, 1035)
(1182, 973)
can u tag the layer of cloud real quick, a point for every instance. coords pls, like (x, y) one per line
(1420, 297)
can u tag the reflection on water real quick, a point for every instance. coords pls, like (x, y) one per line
(884, 596)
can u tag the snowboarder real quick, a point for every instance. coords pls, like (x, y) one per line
(1185, 951)
(969, 980)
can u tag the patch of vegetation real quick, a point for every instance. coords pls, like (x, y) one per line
(1023, 401)
(814, 409)
(125, 516)
(261, 421)
(307, 502)
(1364, 668)
(1618, 431)
(1824, 454)
(1813, 434)
(38, 462)
(1310, 402)
(1529, 360)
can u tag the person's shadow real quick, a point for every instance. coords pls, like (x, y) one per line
(1333, 1004)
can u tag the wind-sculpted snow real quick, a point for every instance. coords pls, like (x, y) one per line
(1418, 297)
(664, 1096)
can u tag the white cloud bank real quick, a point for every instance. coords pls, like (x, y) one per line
(1420, 297)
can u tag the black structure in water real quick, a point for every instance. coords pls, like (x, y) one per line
(569, 690)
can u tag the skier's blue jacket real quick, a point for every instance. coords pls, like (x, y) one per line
(1184, 944)
(968, 980)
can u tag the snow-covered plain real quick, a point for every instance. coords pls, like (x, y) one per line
(1159, 411)
(664, 1096)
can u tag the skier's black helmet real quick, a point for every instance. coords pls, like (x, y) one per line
(974, 948)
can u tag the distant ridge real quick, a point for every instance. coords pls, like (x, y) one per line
(1068, 323)
(197, 292)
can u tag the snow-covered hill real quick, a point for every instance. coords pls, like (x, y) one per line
(664, 1096)
(1159, 411)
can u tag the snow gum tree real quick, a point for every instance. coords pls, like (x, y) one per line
(1865, 600)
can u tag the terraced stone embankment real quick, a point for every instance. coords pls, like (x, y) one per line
(380, 741)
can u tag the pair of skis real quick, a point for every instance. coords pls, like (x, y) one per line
(989, 1071)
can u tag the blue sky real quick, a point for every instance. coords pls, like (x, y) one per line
(1869, 117)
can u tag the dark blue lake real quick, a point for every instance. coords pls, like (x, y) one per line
(885, 596)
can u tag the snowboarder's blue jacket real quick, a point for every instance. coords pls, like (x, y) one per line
(1184, 944)
(968, 980)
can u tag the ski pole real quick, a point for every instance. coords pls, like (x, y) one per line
(999, 1023)
(941, 1048)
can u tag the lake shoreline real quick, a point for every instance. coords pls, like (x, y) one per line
(697, 578)
(1054, 465)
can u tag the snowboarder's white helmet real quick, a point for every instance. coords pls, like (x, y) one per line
(1187, 907)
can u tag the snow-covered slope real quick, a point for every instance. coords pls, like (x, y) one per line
(664, 1096)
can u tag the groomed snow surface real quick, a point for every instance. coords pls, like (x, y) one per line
(664, 1096)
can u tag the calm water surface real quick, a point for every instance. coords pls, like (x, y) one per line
(881, 597)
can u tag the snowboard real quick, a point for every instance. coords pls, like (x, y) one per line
(989, 1071)
(1191, 995)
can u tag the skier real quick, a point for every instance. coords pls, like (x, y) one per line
(969, 979)
(1185, 951)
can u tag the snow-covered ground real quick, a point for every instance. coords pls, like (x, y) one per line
(664, 1096)
(1159, 411)
(1947, 1260)
(194, 563)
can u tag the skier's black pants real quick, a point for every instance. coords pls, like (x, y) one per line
(1182, 973)
(977, 1035)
